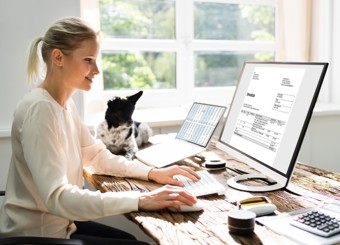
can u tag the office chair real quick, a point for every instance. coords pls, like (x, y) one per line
(29, 240)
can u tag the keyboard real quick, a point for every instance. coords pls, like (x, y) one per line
(319, 221)
(207, 185)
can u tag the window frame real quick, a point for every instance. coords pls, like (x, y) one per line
(93, 102)
(184, 47)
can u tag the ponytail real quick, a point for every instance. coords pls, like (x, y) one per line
(33, 61)
(66, 35)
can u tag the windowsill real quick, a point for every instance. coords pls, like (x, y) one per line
(161, 117)
(155, 117)
(174, 116)
(326, 109)
(170, 117)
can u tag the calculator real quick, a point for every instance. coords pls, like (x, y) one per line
(323, 221)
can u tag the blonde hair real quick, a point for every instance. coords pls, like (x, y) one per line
(66, 35)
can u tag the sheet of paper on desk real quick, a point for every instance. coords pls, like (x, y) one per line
(280, 224)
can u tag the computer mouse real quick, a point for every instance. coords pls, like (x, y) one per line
(198, 206)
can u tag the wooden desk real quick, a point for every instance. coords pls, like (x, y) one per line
(309, 186)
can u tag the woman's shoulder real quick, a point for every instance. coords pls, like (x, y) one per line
(34, 100)
(37, 97)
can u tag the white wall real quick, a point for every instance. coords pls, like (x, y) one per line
(20, 22)
(320, 147)
(336, 52)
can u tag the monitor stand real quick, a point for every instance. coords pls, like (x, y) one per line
(233, 182)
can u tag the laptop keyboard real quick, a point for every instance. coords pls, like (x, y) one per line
(207, 185)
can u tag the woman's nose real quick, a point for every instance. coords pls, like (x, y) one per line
(95, 69)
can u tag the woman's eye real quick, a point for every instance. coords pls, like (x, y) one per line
(88, 60)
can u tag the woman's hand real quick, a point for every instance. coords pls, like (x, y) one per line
(165, 175)
(165, 197)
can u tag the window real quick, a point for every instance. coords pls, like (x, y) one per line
(180, 51)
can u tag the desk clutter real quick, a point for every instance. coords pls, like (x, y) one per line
(310, 187)
(317, 221)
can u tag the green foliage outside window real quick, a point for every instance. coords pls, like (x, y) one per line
(138, 70)
(155, 19)
(126, 70)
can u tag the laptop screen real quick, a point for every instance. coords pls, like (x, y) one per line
(200, 123)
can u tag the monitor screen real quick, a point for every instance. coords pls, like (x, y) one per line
(269, 115)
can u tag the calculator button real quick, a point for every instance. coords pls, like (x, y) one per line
(318, 223)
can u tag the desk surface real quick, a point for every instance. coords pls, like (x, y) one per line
(309, 187)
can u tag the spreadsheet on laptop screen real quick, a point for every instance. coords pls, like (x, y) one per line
(200, 123)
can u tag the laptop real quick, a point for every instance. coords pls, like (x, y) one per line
(193, 137)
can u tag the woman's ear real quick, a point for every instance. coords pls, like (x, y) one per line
(57, 57)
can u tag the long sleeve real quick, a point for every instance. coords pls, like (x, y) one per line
(45, 183)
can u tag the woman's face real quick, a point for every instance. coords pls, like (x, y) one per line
(80, 66)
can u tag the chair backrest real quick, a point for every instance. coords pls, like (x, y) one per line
(37, 240)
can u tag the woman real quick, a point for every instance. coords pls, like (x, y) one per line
(50, 144)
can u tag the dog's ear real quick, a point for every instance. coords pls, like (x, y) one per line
(134, 98)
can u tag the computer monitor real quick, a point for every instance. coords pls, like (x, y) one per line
(268, 117)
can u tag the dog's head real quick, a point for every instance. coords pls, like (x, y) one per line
(119, 110)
